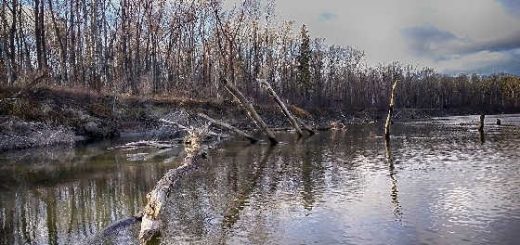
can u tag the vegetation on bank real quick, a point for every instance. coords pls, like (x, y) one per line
(185, 47)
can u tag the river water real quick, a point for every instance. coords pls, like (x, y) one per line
(437, 182)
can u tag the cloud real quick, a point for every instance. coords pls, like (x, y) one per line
(452, 54)
(428, 40)
(424, 33)
(327, 16)
(512, 6)
(482, 62)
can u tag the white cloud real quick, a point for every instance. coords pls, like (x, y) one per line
(376, 26)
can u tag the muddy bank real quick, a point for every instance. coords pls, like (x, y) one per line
(49, 116)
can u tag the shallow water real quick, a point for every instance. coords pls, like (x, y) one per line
(437, 182)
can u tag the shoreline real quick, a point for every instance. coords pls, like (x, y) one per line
(55, 116)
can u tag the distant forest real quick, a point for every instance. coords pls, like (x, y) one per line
(182, 48)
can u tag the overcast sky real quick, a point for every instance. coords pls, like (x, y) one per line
(451, 36)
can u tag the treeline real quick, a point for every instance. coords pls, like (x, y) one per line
(183, 47)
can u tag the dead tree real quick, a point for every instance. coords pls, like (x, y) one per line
(481, 125)
(390, 111)
(158, 197)
(250, 109)
(287, 113)
(481, 129)
(252, 139)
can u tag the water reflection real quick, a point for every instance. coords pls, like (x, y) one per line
(64, 195)
(395, 192)
(433, 183)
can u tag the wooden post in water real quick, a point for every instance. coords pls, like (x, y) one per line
(390, 111)
(252, 139)
(481, 129)
(249, 108)
(481, 125)
(286, 112)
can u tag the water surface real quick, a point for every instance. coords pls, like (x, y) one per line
(437, 182)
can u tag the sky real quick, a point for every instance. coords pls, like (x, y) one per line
(452, 36)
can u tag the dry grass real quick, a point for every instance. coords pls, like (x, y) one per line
(298, 111)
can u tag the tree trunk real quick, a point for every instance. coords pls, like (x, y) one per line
(390, 111)
(250, 109)
(252, 139)
(282, 106)
(158, 197)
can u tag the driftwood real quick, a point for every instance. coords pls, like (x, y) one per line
(390, 111)
(185, 128)
(252, 139)
(148, 143)
(157, 198)
(276, 98)
(250, 109)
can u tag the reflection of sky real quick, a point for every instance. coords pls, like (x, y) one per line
(451, 36)
(331, 188)
(450, 189)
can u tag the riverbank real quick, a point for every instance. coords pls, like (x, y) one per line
(48, 116)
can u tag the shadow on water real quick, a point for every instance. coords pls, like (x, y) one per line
(435, 183)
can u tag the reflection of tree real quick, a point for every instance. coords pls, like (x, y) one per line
(232, 214)
(482, 137)
(52, 228)
(394, 193)
(7, 224)
(308, 183)
(312, 171)
(50, 202)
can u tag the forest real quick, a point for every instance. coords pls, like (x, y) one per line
(218, 121)
(182, 48)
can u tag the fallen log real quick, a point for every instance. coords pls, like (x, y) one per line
(276, 98)
(157, 198)
(145, 143)
(390, 111)
(184, 127)
(252, 139)
(306, 127)
(250, 109)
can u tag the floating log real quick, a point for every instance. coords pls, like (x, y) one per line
(252, 139)
(276, 98)
(250, 109)
(390, 111)
(157, 198)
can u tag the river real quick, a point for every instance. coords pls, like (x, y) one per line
(437, 182)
